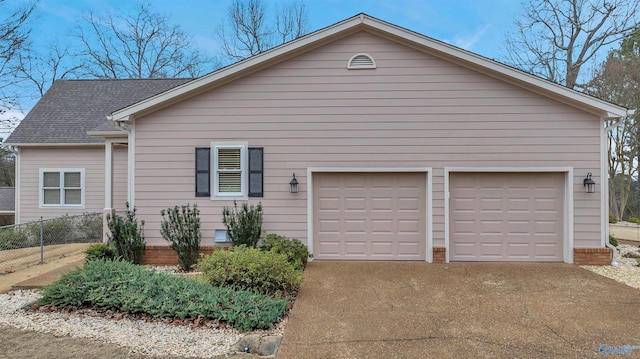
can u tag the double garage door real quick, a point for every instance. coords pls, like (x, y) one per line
(492, 216)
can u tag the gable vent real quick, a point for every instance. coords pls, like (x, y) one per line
(361, 61)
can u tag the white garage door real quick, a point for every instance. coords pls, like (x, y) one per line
(369, 216)
(506, 217)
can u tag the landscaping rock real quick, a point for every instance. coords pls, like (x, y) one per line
(258, 344)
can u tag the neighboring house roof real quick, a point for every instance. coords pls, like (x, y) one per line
(70, 108)
(363, 22)
(7, 199)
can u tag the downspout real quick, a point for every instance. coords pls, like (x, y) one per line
(614, 250)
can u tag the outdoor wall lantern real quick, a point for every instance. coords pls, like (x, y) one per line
(294, 184)
(589, 184)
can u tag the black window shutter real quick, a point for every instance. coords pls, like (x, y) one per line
(203, 170)
(256, 171)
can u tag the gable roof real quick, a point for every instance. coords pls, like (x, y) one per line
(7, 199)
(363, 22)
(70, 108)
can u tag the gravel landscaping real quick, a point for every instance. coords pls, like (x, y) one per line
(626, 272)
(161, 338)
(152, 338)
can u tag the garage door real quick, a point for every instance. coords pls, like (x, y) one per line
(506, 217)
(369, 216)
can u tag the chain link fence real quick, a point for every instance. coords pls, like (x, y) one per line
(23, 245)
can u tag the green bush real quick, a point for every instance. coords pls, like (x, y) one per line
(127, 236)
(251, 268)
(54, 231)
(99, 251)
(244, 225)
(90, 228)
(613, 241)
(125, 287)
(612, 219)
(295, 251)
(633, 220)
(13, 238)
(181, 228)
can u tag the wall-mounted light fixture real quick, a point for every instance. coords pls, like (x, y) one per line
(589, 184)
(294, 184)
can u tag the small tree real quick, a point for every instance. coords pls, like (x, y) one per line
(244, 225)
(127, 236)
(181, 228)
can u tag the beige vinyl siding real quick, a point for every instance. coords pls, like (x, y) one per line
(414, 110)
(91, 159)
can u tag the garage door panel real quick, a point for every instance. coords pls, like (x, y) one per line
(506, 216)
(373, 216)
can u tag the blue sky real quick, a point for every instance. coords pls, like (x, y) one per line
(476, 25)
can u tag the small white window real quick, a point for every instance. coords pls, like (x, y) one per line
(61, 187)
(361, 61)
(220, 236)
(229, 169)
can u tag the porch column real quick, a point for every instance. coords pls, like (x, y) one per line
(108, 187)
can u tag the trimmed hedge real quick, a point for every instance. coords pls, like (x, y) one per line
(296, 252)
(251, 268)
(125, 287)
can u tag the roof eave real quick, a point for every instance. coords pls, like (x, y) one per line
(233, 71)
(458, 55)
(110, 134)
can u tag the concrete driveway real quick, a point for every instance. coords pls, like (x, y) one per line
(470, 310)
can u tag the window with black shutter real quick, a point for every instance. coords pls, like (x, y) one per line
(203, 171)
(256, 181)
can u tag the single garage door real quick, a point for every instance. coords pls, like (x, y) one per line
(506, 217)
(369, 216)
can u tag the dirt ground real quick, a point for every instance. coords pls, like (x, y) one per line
(24, 344)
(625, 231)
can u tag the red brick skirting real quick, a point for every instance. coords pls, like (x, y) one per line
(164, 255)
(592, 256)
(439, 254)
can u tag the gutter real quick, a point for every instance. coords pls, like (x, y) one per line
(607, 129)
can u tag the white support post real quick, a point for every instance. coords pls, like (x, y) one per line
(108, 187)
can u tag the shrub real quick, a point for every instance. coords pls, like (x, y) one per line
(613, 241)
(124, 287)
(295, 251)
(251, 268)
(633, 220)
(181, 228)
(127, 236)
(612, 219)
(13, 238)
(243, 225)
(99, 251)
(54, 231)
(90, 228)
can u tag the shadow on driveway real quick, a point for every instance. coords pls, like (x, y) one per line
(461, 310)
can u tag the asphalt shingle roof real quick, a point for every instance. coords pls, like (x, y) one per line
(72, 107)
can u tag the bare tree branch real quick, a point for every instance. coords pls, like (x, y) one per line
(14, 41)
(139, 45)
(556, 38)
(248, 31)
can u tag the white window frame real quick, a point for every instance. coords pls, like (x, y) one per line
(61, 172)
(244, 172)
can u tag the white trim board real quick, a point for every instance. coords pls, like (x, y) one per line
(429, 199)
(568, 230)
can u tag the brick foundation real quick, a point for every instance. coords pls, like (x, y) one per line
(439, 254)
(592, 256)
(164, 255)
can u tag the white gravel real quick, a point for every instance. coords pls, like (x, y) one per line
(626, 272)
(138, 336)
(149, 338)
